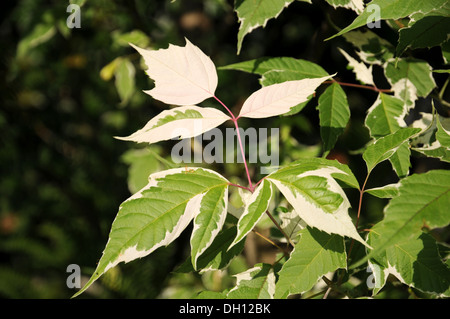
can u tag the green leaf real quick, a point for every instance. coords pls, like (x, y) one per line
(386, 191)
(316, 197)
(415, 262)
(255, 207)
(137, 37)
(253, 14)
(355, 5)
(445, 48)
(423, 201)
(108, 71)
(391, 9)
(410, 78)
(443, 133)
(441, 71)
(41, 33)
(210, 295)
(142, 163)
(426, 33)
(124, 74)
(334, 114)
(383, 148)
(400, 160)
(316, 254)
(218, 255)
(158, 213)
(443, 11)
(385, 116)
(343, 172)
(283, 69)
(208, 220)
(435, 150)
(255, 283)
(179, 122)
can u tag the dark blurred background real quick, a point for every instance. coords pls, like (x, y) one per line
(65, 93)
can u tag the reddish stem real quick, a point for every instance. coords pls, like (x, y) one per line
(234, 119)
(367, 87)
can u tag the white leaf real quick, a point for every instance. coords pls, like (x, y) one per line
(362, 72)
(182, 75)
(180, 122)
(279, 98)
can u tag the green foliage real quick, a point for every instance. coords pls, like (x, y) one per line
(363, 181)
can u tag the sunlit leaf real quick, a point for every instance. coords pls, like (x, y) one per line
(383, 148)
(422, 201)
(180, 122)
(157, 215)
(255, 207)
(363, 73)
(255, 283)
(415, 262)
(391, 9)
(279, 98)
(182, 75)
(316, 197)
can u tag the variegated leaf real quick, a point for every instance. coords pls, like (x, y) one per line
(159, 212)
(255, 207)
(180, 122)
(316, 197)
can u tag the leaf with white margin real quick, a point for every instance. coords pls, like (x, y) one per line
(385, 116)
(208, 220)
(386, 191)
(391, 9)
(255, 283)
(180, 122)
(435, 150)
(410, 79)
(182, 75)
(277, 99)
(427, 124)
(415, 262)
(253, 14)
(156, 215)
(343, 172)
(362, 72)
(372, 49)
(422, 201)
(291, 224)
(255, 207)
(383, 148)
(317, 198)
(316, 254)
(355, 5)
